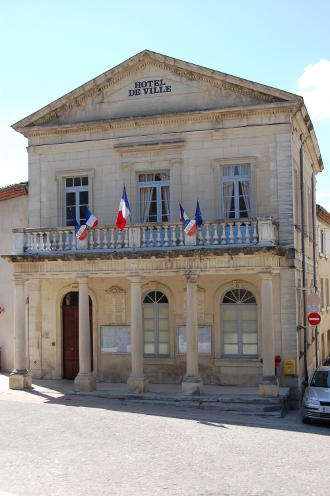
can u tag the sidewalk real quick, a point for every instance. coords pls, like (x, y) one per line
(225, 398)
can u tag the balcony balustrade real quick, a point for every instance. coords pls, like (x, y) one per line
(169, 236)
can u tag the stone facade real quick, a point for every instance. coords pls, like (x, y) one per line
(154, 118)
(323, 229)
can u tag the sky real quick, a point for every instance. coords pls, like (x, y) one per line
(50, 47)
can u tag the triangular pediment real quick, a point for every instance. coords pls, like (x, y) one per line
(151, 84)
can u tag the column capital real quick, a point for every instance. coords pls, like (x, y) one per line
(267, 275)
(135, 279)
(18, 280)
(190, 277)
(82, 279)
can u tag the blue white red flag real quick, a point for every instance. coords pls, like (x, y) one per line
(198, 215)
(81, 230)
(91, 220)
(189, 226)
(124, 211)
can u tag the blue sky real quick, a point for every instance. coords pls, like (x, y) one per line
(51, 47)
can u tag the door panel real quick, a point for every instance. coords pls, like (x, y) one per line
(71, 340)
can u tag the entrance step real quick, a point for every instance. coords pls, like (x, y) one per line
(242, 404)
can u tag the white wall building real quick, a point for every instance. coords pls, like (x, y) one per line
(155, 304)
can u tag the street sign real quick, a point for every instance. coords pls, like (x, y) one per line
(314, 318)
(313, 300)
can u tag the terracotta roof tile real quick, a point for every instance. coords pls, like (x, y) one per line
(14, 191)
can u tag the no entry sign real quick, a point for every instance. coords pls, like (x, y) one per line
(314, 318)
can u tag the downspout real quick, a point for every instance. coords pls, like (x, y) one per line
(314, 261)
(302, 202)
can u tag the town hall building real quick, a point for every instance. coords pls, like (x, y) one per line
(151, 303)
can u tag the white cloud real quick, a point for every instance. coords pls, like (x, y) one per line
(314, 86)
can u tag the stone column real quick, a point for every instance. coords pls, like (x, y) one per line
(85, 380)
(269, 384)
(20, 377)
(137, 381)
(192, 383)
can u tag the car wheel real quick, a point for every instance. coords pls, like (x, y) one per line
(306, 420)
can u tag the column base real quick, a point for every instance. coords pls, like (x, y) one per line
(137, 384)
(20, 379)
(269, 387)
(192, 385)
(85, 382)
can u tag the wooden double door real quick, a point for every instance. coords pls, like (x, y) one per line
(70, 313)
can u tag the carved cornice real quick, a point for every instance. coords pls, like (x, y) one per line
(162, 119)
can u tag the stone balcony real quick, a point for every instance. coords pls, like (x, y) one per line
(219, 234)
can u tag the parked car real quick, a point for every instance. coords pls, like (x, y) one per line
(316, 401)
(327, 361)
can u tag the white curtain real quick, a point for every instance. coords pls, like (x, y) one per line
(166, 201)
(246, 195)
(228, 189)
(145, 201)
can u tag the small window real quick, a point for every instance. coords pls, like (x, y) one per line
(76, 199)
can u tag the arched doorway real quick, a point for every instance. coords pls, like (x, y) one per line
(70, 313)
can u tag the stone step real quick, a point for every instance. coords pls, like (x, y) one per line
(248, 405)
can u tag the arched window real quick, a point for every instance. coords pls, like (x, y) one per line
(239, 324)
(155, 324)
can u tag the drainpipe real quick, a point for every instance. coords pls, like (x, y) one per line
(314, 262)
(302, 202)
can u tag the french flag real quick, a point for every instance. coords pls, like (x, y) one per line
(124, 211)
(189, 226)
(91, 220)
(81, 230)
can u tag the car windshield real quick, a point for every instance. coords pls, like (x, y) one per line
(321, 378)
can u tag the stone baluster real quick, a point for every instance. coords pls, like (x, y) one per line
(255, 234)
(207, 234)
(215, 234)
(105, 239)
(67, 240)
(239, 232)
(144, 238)
(223, 233)
(112, 238)
(98, 238)
(247, 233)
(60, 240)
(165, 235)
(158, 235)
(48, 243)
(74, 239)
(91, 243)
(200, 235)
(231, 233)
(126, 238)
(180, 235)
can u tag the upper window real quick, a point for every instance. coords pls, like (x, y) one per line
(239, 324)
(154, 197)
(75, 199)
(236, 191)
(156, 324)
